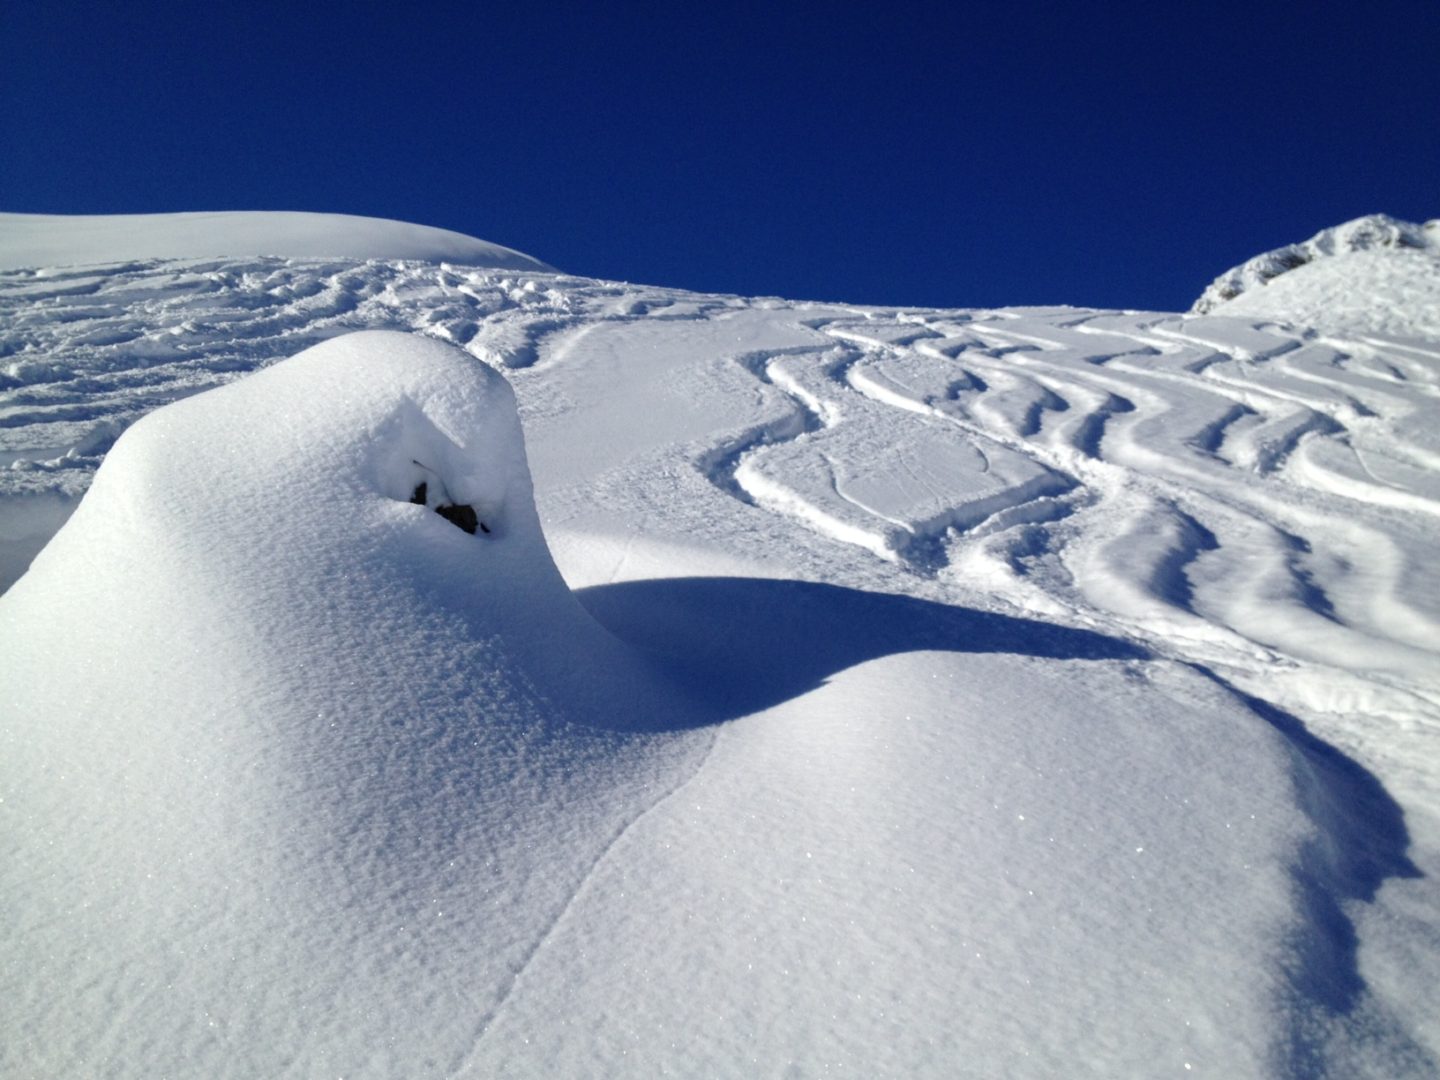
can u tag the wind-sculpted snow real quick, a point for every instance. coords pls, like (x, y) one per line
(320, 748)
(1372, 233)
(1072, 584)
(1373, 275)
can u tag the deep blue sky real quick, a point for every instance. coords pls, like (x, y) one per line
(1115, 154)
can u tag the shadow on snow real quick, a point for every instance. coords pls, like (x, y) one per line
(1361, 841)
(741, 645)
(747, 644)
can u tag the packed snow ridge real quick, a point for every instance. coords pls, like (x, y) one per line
(809, 688)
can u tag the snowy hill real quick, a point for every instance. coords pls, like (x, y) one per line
(1371, 275)
(50, 240)
(1021, 692)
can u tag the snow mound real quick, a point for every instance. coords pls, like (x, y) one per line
(302, 714)
(341, 472)
(52, 240)
(300, 778)
(1375, 273)
(1390, 294)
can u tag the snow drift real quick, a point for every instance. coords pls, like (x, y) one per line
(312, 736)
(49, 240)
(301, 777)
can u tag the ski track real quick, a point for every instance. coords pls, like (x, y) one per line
(1249, 498)
(1237, 486)
(85, 349)
(1202, 483)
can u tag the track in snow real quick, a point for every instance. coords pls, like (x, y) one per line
(1246, 489)
(1243, 488)
(1254, 500)
(86, 351)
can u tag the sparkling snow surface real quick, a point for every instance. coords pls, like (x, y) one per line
(957, 693)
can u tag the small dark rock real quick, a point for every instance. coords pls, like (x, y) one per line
(463, 516)
(458, 515)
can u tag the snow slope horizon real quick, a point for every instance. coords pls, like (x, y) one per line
(54, 240)
(914, 560)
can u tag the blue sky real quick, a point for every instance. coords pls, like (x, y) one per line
(1116, 154)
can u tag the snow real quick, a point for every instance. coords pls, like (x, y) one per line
(1373, 275)
(1013, 692)
(50, 240)
(1392, 294)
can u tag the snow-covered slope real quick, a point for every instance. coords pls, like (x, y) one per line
(1371, 275)
(49, 240)
(1015, 692)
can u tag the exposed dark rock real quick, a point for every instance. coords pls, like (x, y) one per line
(459, 515)
(463, 516)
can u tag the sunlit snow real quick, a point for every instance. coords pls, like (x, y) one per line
(43, 240)
(822, 688)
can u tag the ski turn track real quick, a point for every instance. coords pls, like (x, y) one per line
(1255, 499)
(1070, 457)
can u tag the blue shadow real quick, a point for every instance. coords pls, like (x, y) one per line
(740, 645)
